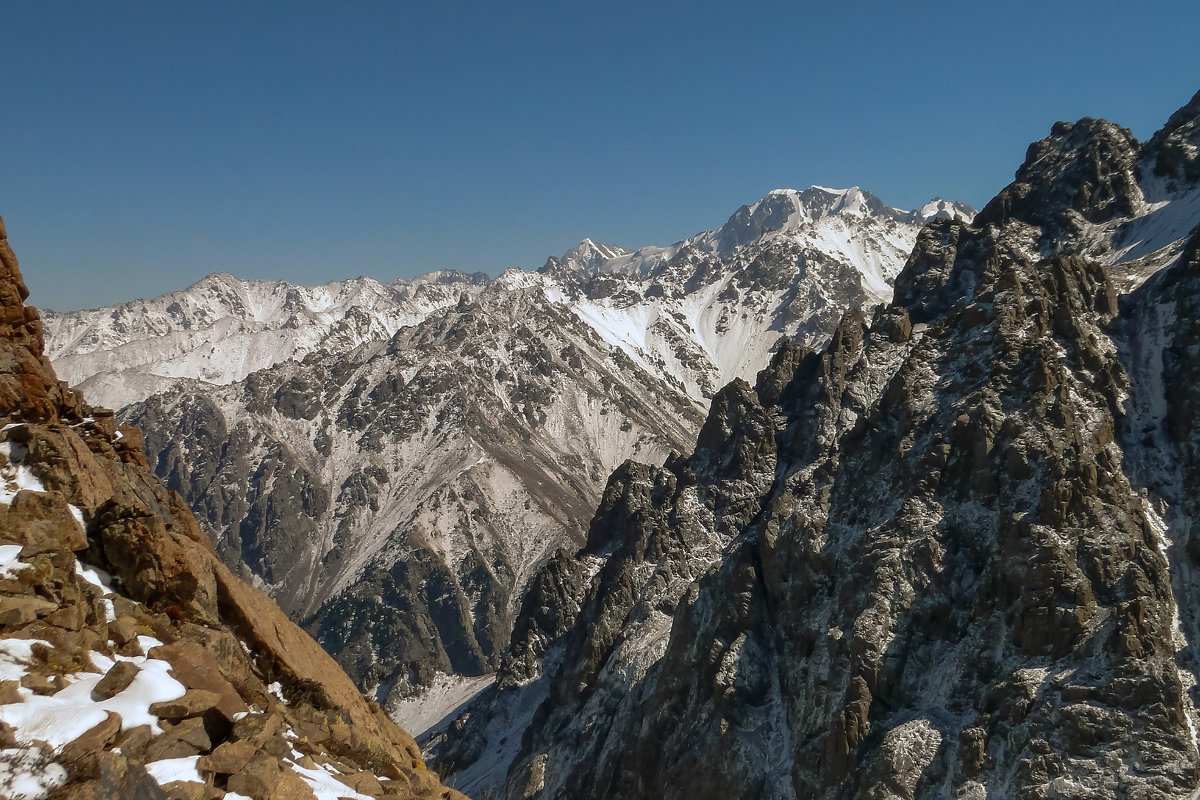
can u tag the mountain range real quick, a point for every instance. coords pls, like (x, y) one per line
(949, 554)
(835, 501)
(394, 463)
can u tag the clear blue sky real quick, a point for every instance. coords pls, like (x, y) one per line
(145, 144)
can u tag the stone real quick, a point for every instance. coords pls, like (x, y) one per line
(195, 668)
(173, 573)
(228, 757)
(258, 727)
(92, 740)
(133, 741)
(193, 703)
(70, 617)
(116, 680)
(121, 780)
(166, 746)
(186, 790)
(257, 779)
(16, 611)
(362, 782)
(124, 630)
(291, 786)
(41, 683)
(191, 731)
(42, 522)
(9, 692)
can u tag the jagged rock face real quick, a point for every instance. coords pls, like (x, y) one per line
(942, 557)
(159, 674)
(399, 495)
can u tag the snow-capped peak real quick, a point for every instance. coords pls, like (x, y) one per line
(789, 211)
(937, 208)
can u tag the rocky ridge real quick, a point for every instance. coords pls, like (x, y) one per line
(222, 328)
(950, 554)
(399, 495)
(132, 662)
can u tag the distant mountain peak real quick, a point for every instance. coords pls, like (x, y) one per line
(789, 210)
(937, 208)
(587, 258)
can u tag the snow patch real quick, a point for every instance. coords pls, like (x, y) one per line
(436, 706)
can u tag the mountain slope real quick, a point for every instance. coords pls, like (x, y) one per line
(132, 662)
(438, 467)
(948, 555)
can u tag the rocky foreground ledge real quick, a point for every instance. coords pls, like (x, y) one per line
(132, 662)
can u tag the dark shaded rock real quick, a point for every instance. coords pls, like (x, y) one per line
(116, 680)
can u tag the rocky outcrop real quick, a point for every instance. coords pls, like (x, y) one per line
(134, 663)
(948, 555)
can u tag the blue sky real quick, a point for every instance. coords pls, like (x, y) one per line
(145, 144)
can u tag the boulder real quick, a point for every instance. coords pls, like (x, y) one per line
(116, 680)
(42, 522)
(193, 704)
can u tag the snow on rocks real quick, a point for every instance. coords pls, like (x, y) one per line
(28, 773)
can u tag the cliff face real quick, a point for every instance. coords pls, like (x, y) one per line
(132, 662)
(950, 555)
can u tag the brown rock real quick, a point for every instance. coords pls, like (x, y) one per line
(186, 790)
(291, 787)
(257, 779)
(22, 610)
(129, 446)
(66, 464)
(258, 727)
(193, 703)
(92, 740)
(228, 758)
(285, 650)
(43, 523)
(66, 653)
(192, 732)
(133, 741)
(195, 668)
(82, 790)
(119, 779)
(70, 617)
(9, 693)
(363, 782)
(90, 639)
(160, 568)
(423, 782)
(40, 683)
(124, 630)
(233, 663)
(116, 680)
(166, 745)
